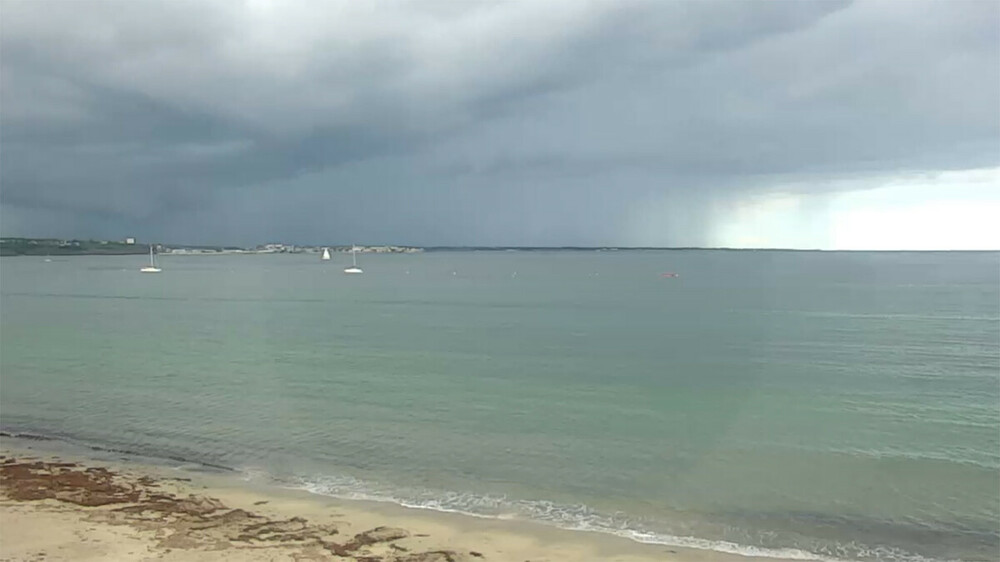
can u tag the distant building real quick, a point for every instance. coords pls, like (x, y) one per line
(274, 248)
(130, 240)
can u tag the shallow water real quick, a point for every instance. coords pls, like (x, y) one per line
(843, 405)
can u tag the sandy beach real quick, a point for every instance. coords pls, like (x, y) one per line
(59, 508)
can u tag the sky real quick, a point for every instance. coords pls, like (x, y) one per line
(826, 124)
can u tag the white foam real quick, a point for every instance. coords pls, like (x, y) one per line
(569, 517)
(576, 517)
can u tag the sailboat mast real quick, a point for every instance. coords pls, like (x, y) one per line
(354, 255)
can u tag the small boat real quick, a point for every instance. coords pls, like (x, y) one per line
(151, 268)
(354, 260)
(326, 254)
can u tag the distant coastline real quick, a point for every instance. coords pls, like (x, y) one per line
(58, 247)
(63, 247)
(12, 246)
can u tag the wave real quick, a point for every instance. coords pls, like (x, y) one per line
(991, 464)
(570, 517)
(874, 315)
(26, 436)
(191, 463)
(957, 456)
(573, 517)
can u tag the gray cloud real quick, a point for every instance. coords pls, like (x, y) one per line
(471, 123)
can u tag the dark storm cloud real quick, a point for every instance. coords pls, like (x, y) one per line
(452, 123)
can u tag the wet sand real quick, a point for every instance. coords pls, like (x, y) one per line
(57, 509)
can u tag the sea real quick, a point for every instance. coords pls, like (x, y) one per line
(806, 405)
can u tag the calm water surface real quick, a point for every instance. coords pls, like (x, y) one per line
(844, 405)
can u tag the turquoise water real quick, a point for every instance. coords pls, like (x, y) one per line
(839, 405)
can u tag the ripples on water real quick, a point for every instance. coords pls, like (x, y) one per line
(806, 405)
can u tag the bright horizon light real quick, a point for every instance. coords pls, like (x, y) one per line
(957, 210)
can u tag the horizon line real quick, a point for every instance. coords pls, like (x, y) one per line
(447, 247)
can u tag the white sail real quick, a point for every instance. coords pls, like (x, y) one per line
(326, 254)
(151, 268)
(354, 260)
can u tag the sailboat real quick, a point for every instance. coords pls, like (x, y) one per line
(151, 268)
(354, 260)
(326, 254)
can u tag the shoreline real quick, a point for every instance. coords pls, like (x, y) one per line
(156, 511)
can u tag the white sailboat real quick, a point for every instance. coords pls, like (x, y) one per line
(326, 254)
(151, 268)
(354, 260)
